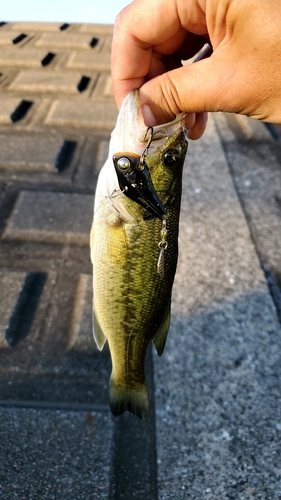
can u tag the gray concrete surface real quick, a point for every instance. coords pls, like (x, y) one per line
(54, 454)
(218, 410)
(215, 423)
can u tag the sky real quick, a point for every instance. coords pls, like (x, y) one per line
(69, 11)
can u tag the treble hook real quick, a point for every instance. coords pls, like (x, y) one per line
(151, 135)
(145, 151)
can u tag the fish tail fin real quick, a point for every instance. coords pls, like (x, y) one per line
(124, 398)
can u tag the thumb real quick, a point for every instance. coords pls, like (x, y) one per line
(195, 88)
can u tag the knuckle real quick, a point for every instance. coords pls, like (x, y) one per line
(170, 95)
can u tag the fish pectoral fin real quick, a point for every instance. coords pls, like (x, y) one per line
(99, 336)
(162, 332)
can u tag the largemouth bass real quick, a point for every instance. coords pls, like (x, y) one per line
(134, 248)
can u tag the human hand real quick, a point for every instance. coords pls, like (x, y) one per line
(242, 75)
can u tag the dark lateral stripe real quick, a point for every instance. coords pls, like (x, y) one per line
(2, 23)
(134, 467)
(19, 38)
(25, 308)
(21, 110)
(65, 155)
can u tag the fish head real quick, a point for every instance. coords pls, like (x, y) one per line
(144, 164)
(165, 159)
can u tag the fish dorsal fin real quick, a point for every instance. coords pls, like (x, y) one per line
(99, 336)
(162, 332)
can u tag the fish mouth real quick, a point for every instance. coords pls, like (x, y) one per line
(135, 182)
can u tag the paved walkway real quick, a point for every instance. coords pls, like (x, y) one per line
(215, 426)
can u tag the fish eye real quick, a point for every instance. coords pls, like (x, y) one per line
(171, 157)
(123, 163)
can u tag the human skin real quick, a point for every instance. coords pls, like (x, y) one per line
(243, 74)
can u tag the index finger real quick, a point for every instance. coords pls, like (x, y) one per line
(144, 31)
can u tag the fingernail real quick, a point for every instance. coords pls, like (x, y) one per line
(148, 116)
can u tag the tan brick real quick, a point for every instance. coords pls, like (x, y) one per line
(97, 29)
(46, 81)
(7, 106)
(64, 40)
(99, 115)
(89, 60)
(7, 37)
(107, 44)
(103, 89)
(26, 26)
(30, 58)
(80, 337)
(51, 218)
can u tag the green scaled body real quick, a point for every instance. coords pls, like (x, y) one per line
(131, 301)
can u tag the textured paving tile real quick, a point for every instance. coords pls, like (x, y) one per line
(65, 41)
(94, 156)
(28, 154)
(80, 333)
(89, 114)
(27, 320)
(7, 37)
(106, 48)
(7, 107)
(103, 88)
(28, 58)
(96, 29)
(39, 370)
(89, 61)
(37, 81)
(51, 217)
(23, 318)
(26, 26)
(11, 285)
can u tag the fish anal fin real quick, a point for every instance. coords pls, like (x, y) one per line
(162, 332)
(132, 399)
(99, 336)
